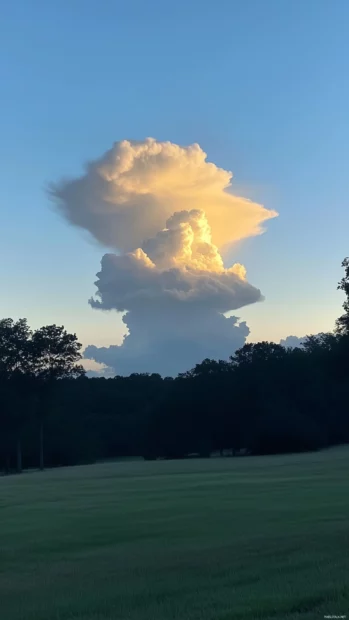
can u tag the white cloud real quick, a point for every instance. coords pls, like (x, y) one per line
(127, 195)
(169, 348)
(296, 341)
(181, 267)
(293, 341)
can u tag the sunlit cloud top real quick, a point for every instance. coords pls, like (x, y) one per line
(127, 196)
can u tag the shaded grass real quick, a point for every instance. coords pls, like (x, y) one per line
(218, 538)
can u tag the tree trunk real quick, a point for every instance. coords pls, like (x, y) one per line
(7, 464)
(42, 465)
(19, 456)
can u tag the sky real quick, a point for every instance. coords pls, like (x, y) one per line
(261, 86)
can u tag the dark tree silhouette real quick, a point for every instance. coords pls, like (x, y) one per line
(342, 324)
(15, 383)
(54, 355)
(265, 399)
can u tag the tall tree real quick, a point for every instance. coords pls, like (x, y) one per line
(342, 323)
(54, 356)
(14, 347)
(14, 382)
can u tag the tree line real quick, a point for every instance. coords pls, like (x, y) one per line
(265, 399)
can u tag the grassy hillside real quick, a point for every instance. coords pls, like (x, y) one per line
(224, 539)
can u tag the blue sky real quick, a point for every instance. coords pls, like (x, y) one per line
(261, 86)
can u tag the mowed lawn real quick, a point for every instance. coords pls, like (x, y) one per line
(225, 539)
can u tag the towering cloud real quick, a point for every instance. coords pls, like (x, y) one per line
(166, 210)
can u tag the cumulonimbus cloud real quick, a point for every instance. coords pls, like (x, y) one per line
(167, 211)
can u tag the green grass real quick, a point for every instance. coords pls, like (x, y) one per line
(227, 539)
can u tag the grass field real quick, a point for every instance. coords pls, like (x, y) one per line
(224, 539)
